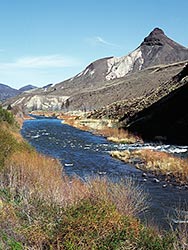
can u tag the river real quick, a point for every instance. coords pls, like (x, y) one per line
(84, 155)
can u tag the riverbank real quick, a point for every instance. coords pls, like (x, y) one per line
(165, 166)
(41, 208)
(105, 127)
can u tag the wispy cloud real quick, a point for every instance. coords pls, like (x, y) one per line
(39, 62)
(98, 40)
(38, 70)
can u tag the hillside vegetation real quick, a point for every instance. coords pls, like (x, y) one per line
(42, 208)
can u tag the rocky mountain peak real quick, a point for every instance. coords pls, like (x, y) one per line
(156, 37)
(156, 49)
(157, 31)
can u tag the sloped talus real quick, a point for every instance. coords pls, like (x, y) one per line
(166, 119)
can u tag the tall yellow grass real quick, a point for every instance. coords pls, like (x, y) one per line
(30, 173)
(119, 135)
(42, 176)
(127, 196)
(157, 162)
(116, 135)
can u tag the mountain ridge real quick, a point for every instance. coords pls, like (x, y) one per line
(7, 91)
(82, 92)
(27, 88)
(145, 55)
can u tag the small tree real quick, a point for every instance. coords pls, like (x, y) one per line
(67, 103)
(9, 107)
(6, 116)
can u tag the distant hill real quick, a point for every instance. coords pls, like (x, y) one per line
(27, 88)
(7, 92)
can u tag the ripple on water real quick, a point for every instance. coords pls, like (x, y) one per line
(173, 149)
(35, 136)
(68, 164)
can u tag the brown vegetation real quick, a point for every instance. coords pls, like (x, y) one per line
(41, 208)
(102, 127)
(157, 162)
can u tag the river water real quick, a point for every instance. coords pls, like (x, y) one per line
(84, 155)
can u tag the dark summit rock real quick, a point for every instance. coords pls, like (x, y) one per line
(154, 38)
(157, 48)
(157, 32)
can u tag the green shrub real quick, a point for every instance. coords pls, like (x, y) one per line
(150, 240)
(7, 242)
(8, 145)
(6, 116)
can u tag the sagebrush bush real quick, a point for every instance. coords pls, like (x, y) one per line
(8, 145)
(6, 116)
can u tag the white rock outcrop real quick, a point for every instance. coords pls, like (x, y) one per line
(119, 67)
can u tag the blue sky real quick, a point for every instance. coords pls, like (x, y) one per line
(48, 41)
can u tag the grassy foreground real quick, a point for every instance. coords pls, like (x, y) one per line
(41, 208)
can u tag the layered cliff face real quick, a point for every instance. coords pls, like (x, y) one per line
(28, 102)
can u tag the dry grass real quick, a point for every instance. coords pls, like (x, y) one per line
(128, 197)
(119, 135)
(31, 173)
(4, 126)
(180, 230)
(157, 162)
(42, 207)
(102, 127)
